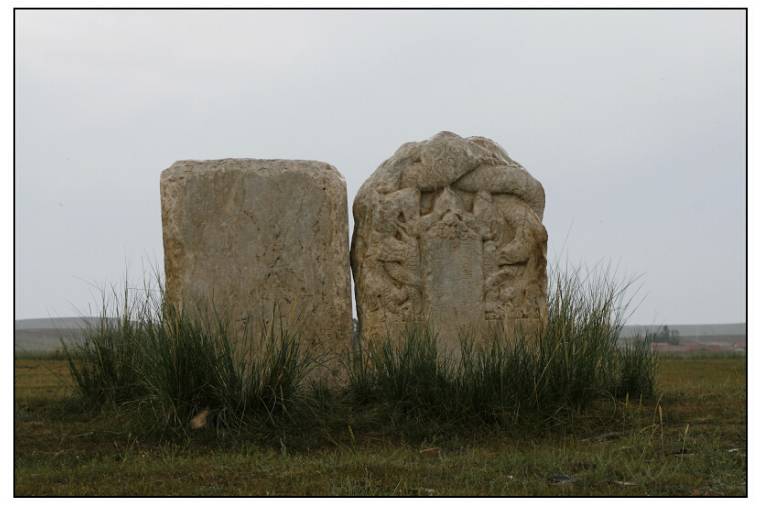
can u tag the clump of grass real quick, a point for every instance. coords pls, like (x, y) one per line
(172, 366)
(495, 379)
(411, 372)
(103, 364)
(637, 369)
(572, 362)
(578, 355)
(188, 366)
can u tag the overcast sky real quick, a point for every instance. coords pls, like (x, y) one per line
(633, 121)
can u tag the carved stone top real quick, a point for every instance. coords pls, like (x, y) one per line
(449, 231)
(468, 164)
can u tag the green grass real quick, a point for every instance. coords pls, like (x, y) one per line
(502, 416)
(162, 367)
(523, 381)
(689, 442)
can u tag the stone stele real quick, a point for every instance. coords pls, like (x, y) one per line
(449, 232)
(248, 236)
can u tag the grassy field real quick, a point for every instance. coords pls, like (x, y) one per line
(691, 441)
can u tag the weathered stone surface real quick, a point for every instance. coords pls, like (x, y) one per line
(449, 231)
(250, 235)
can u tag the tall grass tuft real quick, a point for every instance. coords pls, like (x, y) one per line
(103, 364)
(172, 366)
(637, 369)
(188, 366)
(411, 372)
(572, 362)
(577, 351)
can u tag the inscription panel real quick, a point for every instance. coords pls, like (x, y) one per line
(453, 284)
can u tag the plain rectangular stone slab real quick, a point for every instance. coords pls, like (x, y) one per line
(249, 236)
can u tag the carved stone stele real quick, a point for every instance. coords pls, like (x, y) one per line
(247, 236)
(449, 232)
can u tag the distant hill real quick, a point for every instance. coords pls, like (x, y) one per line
(40, 335)
(34, 335)
(64, 323)
(696, 332)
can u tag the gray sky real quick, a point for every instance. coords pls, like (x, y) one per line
(633, 121)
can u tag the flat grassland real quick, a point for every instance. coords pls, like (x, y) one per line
(689, 442)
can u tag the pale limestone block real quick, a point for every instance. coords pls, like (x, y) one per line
(257, 240)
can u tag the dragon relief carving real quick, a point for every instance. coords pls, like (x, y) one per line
(469, 199)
